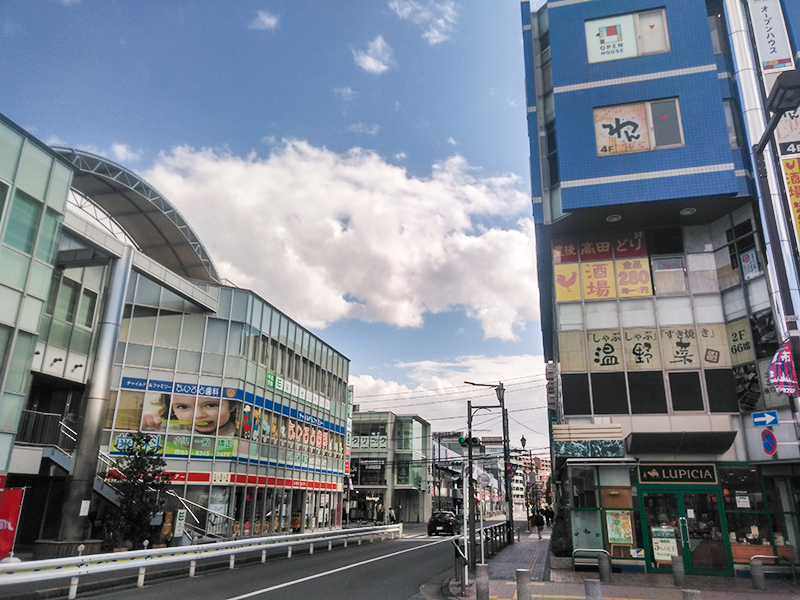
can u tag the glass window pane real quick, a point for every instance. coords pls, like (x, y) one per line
(216, 336)
(5, 338)
(87, 308)
(666, 123)
(67, 300)
(23, 222)
(10, 148)
(147, 292)
(81, 341)
(602, 315)
(708, 309)
(48, 239)
(14, 271)
(675, 311)
(733, 304)
(59, 187)
(652, 32)
(143, 325)
(668, 276)
(637, 313)
(192, 333)
(168, 329)
(685, 391)
(33, 172)
(20, 365)
(164, 358)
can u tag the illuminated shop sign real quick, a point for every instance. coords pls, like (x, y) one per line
(684, 473)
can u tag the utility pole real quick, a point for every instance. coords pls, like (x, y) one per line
(471, 516)
(501, 392)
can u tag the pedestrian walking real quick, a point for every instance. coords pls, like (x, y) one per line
(538, 521)
(392, 516)
(548, 516)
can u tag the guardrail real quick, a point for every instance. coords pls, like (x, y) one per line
(77, 566)
(757, 570)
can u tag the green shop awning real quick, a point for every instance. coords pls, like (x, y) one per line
(680, 442)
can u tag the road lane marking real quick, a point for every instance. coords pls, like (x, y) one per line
(332, 571)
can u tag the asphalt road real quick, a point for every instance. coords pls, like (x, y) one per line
(387, 570)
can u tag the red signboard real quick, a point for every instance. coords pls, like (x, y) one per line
(565, 250)
(598, 247)
(10, 505)
(630, 245)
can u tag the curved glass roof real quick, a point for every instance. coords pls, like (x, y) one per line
(155, 225)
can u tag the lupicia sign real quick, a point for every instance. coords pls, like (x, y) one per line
(680, 473)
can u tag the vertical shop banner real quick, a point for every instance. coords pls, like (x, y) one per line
(567, 280)
(772, 41)
(10, 506)
(598, 280)
(791, 176)
(781, 374)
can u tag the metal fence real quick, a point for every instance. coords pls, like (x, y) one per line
(76, 566)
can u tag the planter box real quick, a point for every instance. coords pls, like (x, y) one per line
(560, 563)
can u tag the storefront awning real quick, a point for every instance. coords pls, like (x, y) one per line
(680, 442)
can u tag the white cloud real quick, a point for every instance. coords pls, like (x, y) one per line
(124, 154)
(270, 140)
(436, 17)
(328, 236)
(364, 128)
(439, 394)
(400, 156)
(345, 93)
(264, 21)
(452, 142)
(377, 58)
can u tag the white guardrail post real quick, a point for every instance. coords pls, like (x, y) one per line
(74, 567)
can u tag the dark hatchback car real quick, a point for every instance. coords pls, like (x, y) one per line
(443, 521)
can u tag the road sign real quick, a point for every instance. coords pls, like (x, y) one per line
(769, 442)
(765, 418)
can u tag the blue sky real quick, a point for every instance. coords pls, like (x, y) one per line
(361, 164)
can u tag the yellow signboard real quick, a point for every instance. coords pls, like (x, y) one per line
(633, 278)
(598, 280)
(791, 174)
(568, 287)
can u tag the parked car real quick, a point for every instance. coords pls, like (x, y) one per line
(444, 521)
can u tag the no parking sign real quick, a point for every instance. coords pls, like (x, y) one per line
(769, 442)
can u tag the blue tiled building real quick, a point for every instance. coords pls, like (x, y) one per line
(660, 310)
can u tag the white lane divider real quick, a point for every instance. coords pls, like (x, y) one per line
(332, 571)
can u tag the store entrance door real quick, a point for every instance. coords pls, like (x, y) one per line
(689, 524)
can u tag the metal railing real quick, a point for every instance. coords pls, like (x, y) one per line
(762, 557)
(598, 551)
(76, 566)
(45, 429)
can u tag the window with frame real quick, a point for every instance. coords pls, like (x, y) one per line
(627, 36)
(638, 127)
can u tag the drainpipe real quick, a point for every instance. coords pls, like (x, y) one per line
(84, 462)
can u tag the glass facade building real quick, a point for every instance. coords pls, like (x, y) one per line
(248, 408)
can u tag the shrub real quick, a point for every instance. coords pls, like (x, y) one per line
(561, 536)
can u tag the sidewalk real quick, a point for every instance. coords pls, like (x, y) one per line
(530, 553)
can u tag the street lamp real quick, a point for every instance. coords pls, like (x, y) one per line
(523, 441)
(501, 392)
(784, 97)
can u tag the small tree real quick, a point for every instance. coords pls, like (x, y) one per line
(139, 479)
(561, 536)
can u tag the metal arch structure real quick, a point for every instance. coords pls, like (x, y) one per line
(147, 218)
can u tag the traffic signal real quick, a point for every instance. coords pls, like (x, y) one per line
(465, 441)
(510, 470)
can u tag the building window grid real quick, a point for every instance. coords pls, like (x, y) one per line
(664, 372)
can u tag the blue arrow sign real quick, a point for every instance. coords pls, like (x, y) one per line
(765, 418)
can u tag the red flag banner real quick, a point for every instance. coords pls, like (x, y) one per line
(10, 504)
(781, 373)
